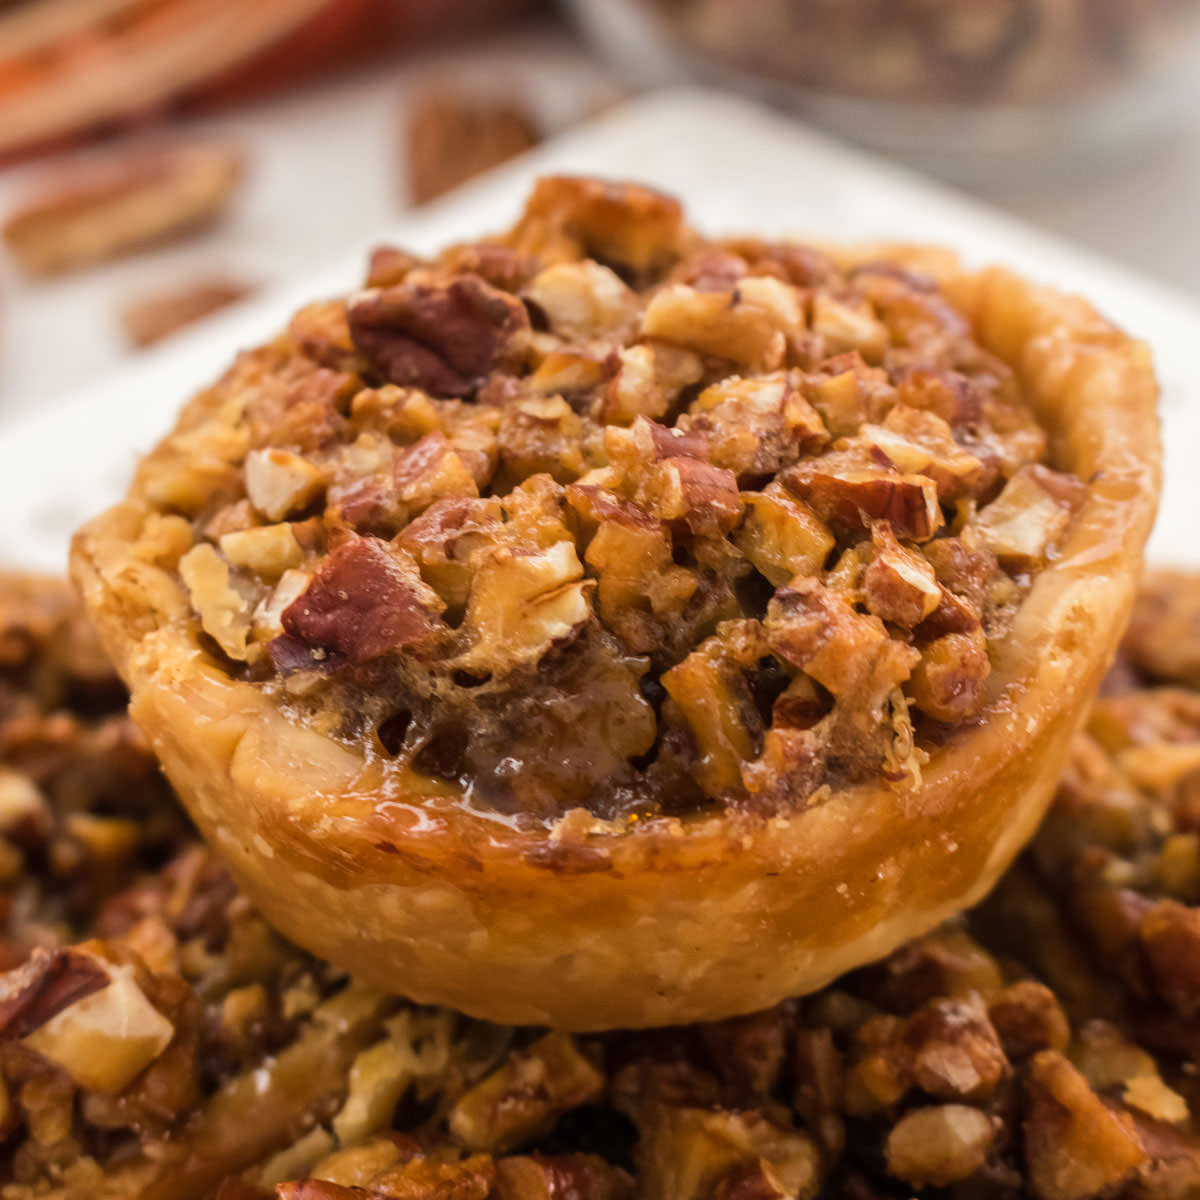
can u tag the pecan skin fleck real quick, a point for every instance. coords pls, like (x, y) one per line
(48, 982)
(446, 340)
(360, 604)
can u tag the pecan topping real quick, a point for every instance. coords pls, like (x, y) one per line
(446, 339)
(672, 523)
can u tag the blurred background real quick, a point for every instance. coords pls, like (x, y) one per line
(160, 159)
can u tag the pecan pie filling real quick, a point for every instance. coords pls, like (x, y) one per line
(604, 514)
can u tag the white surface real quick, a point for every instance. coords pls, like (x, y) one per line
(323, 162)
(739, 168)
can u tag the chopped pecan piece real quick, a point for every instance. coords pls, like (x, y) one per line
(685, 489)
(948, 680)
(561, 1177)
(848, 492)
(782, 537)
(848, 325)
(631, 554)
(525, 1095)
(444, 541)
(649, 379)
(756, 426)
(120, 205)
(453, 137)
(446, 339)
(847, 393)
(817, 631)
(85, 1014)
(956, 1052)
(571, 371)
(582, 299)
(152, 318)
(365, 600)
(1076, 1147)
(898, 584)
(619, 224)
(522, 602)
(388, 265)
(712, 694)
(1028, 1017)
(690, 1153)
(268, 549)
(426, 1178)
(322, 333)
(431, 470)
(1170, 934)
(46, 983)
(921, 443)
(541, 434)
(1025, 523)
(280, 483)
(939, 1145)
(718, 323)
(224, 609)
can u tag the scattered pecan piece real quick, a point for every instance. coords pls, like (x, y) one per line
(115, 207)
(561, 1177)
(365, 600)
(445, 339)
(152, 318)
(939, 1145)
(1028, 1017)
(1164, 635)
(525, 1095)
(1170, 934)
(451, 137)
(48, 982)
(1076, 1147)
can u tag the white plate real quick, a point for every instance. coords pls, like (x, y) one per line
(739, 168)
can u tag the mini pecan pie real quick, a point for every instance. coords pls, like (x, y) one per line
(600, 625)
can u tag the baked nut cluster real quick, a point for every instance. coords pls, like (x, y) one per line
(1042, 1048)
(603, 514)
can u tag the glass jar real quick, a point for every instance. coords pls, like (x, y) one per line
(967, 87)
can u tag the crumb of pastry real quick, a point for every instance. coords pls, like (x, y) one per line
(113, 206)
(150, 318)
(1041, 1048)
(604, 513)
(452, 135)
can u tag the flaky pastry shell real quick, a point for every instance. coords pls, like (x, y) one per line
(582, 927)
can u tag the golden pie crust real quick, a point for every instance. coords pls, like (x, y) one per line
(583, 925)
